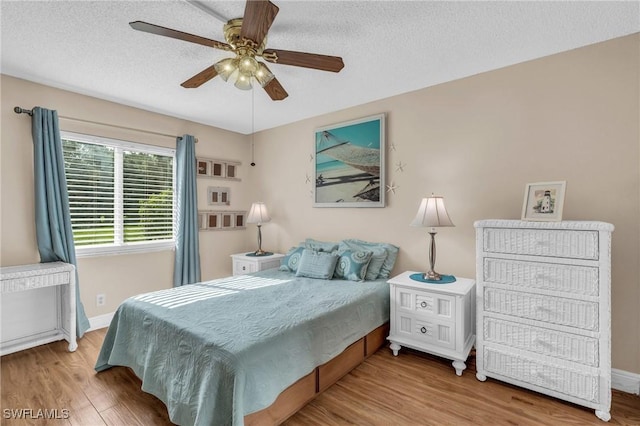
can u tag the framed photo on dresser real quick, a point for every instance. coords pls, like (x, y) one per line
(543, 201)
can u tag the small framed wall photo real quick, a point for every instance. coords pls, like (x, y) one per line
(204, 168)
(218, 195)
(543, 201)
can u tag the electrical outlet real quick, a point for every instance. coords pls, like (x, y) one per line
(101, 299)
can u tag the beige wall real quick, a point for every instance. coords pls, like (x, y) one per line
(117, 276)
(478, 141)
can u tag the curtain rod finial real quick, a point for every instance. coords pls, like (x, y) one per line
(19, 110)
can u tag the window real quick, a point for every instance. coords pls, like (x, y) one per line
(120, 194)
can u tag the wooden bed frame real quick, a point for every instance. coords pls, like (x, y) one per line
(307, 388)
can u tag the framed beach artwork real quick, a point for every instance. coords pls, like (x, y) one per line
(349, 164)
(543, 201)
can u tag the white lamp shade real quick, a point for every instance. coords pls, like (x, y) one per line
(432, 213)
(258, 213)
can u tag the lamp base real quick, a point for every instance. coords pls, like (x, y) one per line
(432, 275)
(259, 253)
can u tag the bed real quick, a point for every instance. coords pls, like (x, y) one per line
(246, 349)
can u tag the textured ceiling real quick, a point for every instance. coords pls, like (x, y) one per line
(388, 47)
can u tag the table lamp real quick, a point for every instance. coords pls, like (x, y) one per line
(259, 215)
(433, 214)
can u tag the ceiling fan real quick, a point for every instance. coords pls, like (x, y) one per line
(246, 37)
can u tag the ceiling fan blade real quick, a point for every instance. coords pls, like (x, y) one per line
(168, 32)
(302, 59)
(258, 17)
(275, 90)
(200, 78)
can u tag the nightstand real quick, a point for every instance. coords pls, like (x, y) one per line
(434, 318)
(244, 264)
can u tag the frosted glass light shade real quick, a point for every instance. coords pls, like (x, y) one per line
(432, 213)
(258, 213)
(244, 81)
(263, 75)
(226, 67)
(248, 65)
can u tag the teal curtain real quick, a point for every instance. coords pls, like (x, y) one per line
(187, 261)
(53, 220)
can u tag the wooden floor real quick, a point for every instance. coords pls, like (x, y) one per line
(410, 389)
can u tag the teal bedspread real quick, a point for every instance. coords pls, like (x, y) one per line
(218, 350)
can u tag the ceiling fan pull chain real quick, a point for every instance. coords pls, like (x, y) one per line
(253, 127)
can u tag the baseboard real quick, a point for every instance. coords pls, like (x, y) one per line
(625, 381)
(101, 321)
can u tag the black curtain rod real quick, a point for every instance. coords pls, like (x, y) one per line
(29, 112)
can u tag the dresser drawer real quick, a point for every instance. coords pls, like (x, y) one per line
(542, 242)
(577, 384)
(580, 280)
(554, 310)
(571, 347)
(441, 334)
(426, 304)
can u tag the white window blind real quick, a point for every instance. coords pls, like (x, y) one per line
(120, 194)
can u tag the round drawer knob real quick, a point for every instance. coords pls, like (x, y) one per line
(423, 330)
(423, 304)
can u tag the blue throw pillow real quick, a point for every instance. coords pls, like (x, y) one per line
(378, 256)
(316, 245)
(389, 261)
(291, 260)
(352, 265)
(317, 264)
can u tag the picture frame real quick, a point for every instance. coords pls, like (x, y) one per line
(544, 201)
(218, 195)
(349, 163)
(222, 220)
(218, 168)
(203, 168)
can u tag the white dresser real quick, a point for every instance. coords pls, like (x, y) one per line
(544, 308)
(38, 305)
(434, 318)
(245, 264)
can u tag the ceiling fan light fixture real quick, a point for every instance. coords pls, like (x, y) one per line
(246, 38)
(263, 75)
(248, 65)
(226, 67)
(244, 81)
